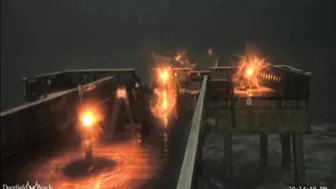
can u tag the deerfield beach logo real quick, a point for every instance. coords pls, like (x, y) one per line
(27, 186)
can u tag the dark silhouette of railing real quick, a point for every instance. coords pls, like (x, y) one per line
(27, 124)
(191, 171)
(42, 85)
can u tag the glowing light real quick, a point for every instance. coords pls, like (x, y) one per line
(90, 87)
(178, 57)
(164, 100)
(210, 52)
(182, 59)
(249, 76)
(130, 161)
(88, 119)
(164, 76)
(121, 93)
(87, 142)
(249, 72)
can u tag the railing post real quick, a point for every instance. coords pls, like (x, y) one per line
(44, 87)
(80, 94)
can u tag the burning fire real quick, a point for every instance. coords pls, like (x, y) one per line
(164, 76)
(182, 59)
(247, 79)
(165, 94)
(180, 63)
(89, 119)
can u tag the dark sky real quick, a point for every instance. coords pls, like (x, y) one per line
(39, 36)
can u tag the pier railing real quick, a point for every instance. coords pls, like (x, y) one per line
(26, 124)
(191, 171)
(41, 85)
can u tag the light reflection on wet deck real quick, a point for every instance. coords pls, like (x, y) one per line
(121, 163)
(132, 162)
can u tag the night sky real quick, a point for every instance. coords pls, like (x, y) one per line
(40, 36)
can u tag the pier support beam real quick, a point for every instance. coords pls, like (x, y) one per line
(299, 167)
(228, 155)
(286, 151)
(263, 153)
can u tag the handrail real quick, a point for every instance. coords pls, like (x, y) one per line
(88, 70)
(41, 85)
(35, 103)
(186, 177)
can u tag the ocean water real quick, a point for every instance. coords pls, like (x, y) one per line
(320, 160)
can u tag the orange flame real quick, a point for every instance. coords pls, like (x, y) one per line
(89, 118)
(178, 57)
(183, 75)
(246, 80)
(164, 76)
(178, 61)
(182, 59)
(165, 94)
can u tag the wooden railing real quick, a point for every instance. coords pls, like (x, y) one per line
(26, 124)
(191, 170)
(42, 85)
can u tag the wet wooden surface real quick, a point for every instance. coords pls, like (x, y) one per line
(153, 164)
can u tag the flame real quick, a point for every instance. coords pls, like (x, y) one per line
(178, 57)
(89, 118)
(164, 76)
(165, 94)
(249, 76)
(178, 61)
(182, 59)
(249, 72)
(187, 67)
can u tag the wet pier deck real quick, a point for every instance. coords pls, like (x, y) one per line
(119, 163)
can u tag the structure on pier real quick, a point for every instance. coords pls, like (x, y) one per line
(284, 111)
(52, 100)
